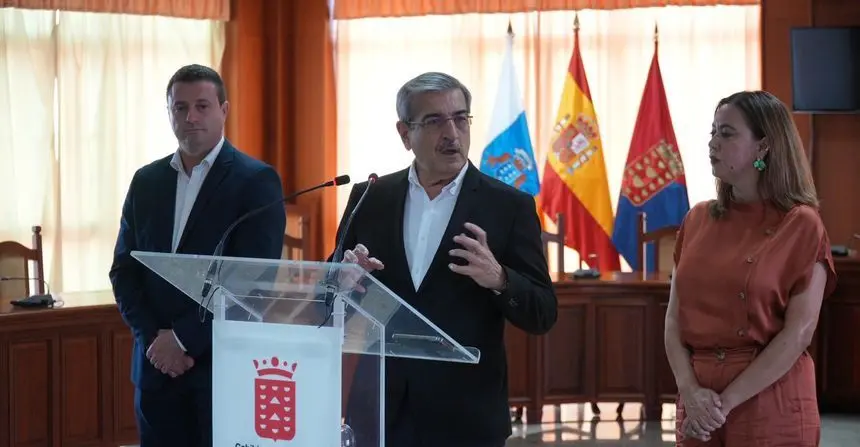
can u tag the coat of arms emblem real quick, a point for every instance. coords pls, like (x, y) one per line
(651, 172)
(574, 142)
(512, 168)
(275, 400)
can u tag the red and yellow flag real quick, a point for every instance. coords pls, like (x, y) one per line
(574, 179)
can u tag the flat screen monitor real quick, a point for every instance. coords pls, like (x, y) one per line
(825, 70)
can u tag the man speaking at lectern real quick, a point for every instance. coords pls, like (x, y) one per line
(462, 248)
(183, 203)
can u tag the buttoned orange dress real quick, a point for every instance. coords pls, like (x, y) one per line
(734, 279)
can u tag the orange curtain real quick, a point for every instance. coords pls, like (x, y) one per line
(279, 71)
(355, 9)
(196, 9)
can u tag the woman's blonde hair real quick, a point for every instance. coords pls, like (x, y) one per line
(787, 179)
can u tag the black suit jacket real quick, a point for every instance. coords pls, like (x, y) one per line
(235, 184)
(455, 402)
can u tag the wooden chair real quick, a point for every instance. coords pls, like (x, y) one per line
(297, 238)
(546, 237)
(663, 240)
(15, 264)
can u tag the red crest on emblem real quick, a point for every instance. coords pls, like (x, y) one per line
(275, 400)
(651, 172)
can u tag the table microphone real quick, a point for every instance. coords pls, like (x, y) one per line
(44, 300)
(215, 264)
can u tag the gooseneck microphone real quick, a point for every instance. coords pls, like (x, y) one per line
(331, 283)
(35, 300)
(215, 264)
(24, 278)
(338, 250)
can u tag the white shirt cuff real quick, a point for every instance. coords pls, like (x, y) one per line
(181, 346)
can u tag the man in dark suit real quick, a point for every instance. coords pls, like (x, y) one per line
(183, 203)
(463, 249)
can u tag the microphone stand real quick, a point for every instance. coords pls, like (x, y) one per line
(331, 283)
(213, 272)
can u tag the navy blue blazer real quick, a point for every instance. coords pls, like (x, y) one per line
(235, 185)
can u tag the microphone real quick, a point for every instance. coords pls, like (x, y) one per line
(33, 300)
(338, 250)
(331, 283)
(24, 278)
(214, 266)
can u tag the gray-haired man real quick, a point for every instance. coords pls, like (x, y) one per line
(462, 248)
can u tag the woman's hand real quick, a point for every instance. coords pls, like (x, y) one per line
(687, 431)
(704, 414)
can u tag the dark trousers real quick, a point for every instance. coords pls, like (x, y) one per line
(176, 414)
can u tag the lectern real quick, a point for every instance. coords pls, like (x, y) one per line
(283, 332)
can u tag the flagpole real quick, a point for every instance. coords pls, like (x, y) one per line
(538, 208)
(656, 35)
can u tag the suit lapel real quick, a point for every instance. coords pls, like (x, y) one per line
(166, 191)
(209, 188)
(398, 201)
(466, 200)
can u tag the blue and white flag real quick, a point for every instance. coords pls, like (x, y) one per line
(509, 156)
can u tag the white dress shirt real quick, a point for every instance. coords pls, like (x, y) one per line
(425, 221)
(187, 188)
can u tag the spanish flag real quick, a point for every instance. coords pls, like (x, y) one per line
(574, 179)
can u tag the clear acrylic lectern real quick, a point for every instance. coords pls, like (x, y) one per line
(299, 348)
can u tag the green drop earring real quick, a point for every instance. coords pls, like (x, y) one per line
(759, 164)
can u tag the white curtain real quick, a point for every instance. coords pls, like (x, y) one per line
(27, 73)
(110, 118)
(113, 72)
(705, 53)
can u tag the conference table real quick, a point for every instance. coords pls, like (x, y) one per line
(65, 372)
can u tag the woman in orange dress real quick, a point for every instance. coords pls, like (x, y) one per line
(751, 270)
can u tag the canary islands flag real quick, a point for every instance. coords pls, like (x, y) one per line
(509, 156)
(574, 178)
(653, 182)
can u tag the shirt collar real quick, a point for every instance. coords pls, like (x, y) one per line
(450, 187)
(176, 161)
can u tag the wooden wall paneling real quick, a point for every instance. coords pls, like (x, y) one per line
(838, 359)
(667, 390)
(5, 430)
(122, 416)
(519, 376)
(31, 386)
(63, 379)
(832, 139)
(653, 352)
(837, 142)
(567, 365)
(620, 367)
(81, 374)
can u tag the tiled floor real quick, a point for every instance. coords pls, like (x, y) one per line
(577, 429)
